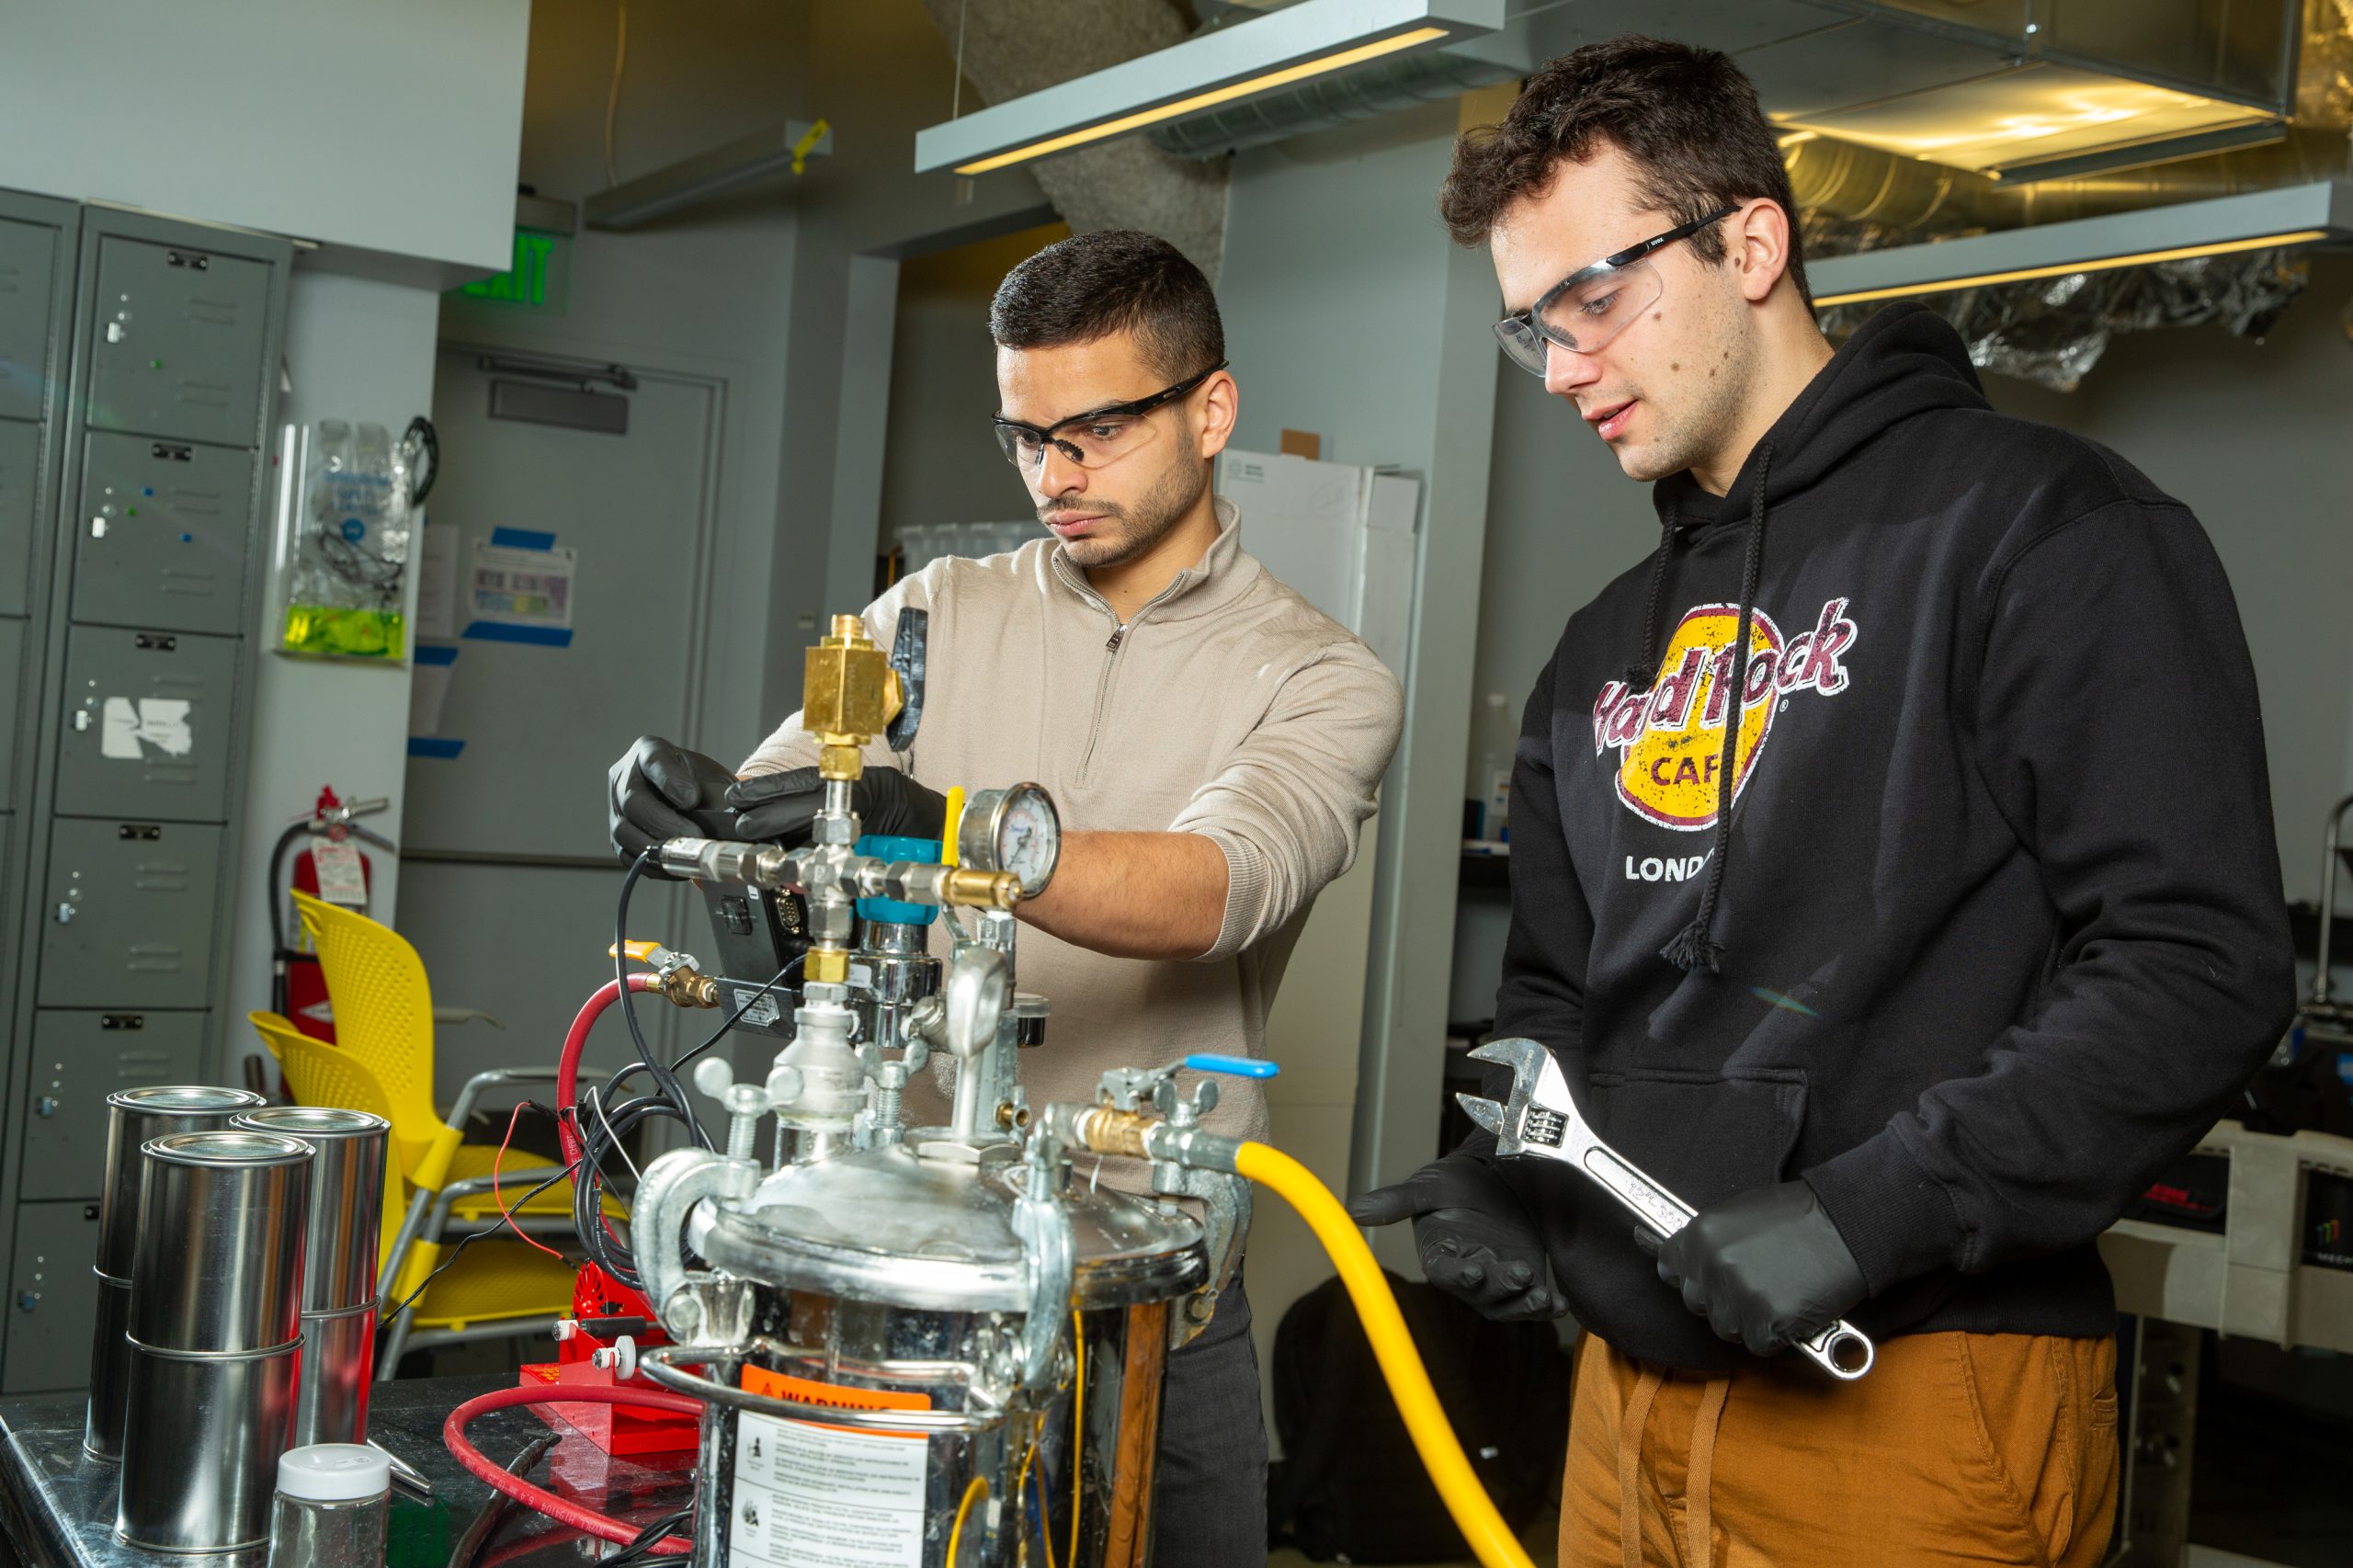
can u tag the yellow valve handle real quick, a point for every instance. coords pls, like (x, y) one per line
(955, 819)
(1474, 1513)
(642, 952)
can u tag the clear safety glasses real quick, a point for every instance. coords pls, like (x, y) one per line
(1594, 304)
(1089, 439)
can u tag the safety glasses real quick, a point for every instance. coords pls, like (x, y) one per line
(1089, 439)
(1594, 304)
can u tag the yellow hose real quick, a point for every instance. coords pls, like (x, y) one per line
(1077, 1435)
(976, 1493)
(1474, 1514)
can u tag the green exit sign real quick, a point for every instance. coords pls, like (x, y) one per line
(540, 280)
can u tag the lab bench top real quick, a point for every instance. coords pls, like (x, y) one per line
(57, 1504)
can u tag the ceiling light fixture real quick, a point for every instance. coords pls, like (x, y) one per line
(2294, 215)
(1313, 38)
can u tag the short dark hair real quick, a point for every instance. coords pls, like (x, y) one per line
(1092, 285)
(1686, 118)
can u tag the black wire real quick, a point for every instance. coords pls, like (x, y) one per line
(667, 1080)
(605, 1125)
(643, 1543)
(472, 1236)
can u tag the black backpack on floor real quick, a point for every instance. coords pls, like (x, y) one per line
(1350, 1488)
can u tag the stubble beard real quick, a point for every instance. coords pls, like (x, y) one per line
(1135, 528)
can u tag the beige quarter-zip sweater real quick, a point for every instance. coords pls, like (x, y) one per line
(1228, 707)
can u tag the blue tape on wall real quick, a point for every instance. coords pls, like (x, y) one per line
(521, 538)
(500, 631)
(435, 653)
(435, 746)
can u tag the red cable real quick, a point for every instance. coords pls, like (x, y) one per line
(500, 1199)
(538, 1498)
(567, 1067)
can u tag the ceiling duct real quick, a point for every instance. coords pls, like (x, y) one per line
(1010, 48)
(2053, 329)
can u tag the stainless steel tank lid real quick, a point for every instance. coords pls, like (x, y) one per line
(310, 1121)
(883, 1225)
(186, 1099)
(242, 1148)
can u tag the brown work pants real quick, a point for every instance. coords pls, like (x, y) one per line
(1956, 1448)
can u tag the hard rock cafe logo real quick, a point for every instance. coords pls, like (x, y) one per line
(1670, 739)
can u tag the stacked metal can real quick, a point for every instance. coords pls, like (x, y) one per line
(215, 1337)
(338, 1264)
(135, 1116)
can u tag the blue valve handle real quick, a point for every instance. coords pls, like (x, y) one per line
(1236, 1067)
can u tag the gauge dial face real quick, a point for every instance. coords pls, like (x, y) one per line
(1025, 836)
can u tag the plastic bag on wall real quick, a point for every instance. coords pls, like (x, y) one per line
(344, 544)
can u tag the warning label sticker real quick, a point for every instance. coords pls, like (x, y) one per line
(815, 1497)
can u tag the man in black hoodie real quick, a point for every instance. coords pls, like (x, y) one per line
(1892, 876)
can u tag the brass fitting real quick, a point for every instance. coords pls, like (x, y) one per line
(1108, 1131)
(840, 762)
(826, 966)
(1012, 1117)
(980, 890)
(682, 987)
(849, 694)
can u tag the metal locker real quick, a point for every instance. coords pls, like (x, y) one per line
(28, 263)
(127, 919)
(78, 1060)
(147, 724)
(176, 344)
(164, 534)
(19, 467)
(53, 1297)
(12, 683)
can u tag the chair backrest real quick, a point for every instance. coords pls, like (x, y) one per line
(383, 1009)
(318, 1074)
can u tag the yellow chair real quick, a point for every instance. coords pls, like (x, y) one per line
(499, 1287)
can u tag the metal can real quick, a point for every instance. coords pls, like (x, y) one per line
(133, 1117)
(338, 1264)
(219, 1260)
(200, 1452)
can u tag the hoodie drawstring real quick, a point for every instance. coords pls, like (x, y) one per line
(1642, 672)
(1695, 946)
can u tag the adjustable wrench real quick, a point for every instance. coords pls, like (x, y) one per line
(1542, 1121)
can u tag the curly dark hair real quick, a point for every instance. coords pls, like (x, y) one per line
(1091, 285)
(1686, 118)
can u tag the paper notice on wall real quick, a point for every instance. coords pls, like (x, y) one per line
(523, 587)
(125, 726)
(436, 587)
(810, 1496)
(342, 878)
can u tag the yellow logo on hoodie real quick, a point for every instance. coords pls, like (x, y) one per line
(1670, 738)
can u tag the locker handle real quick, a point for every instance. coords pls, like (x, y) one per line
(65, 915)
(81, 720)
(46, 1106)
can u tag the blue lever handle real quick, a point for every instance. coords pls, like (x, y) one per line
(1238, 1066)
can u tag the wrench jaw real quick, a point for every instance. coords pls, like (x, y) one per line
(1497, 1119)
(1537, 1119)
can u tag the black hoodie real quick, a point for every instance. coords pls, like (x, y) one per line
(1996, 931)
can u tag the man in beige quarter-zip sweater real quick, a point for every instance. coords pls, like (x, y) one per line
(1212, 740)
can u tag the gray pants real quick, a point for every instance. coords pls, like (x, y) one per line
(1211, 1509)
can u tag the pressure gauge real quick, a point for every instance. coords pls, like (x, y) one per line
(1014, 830)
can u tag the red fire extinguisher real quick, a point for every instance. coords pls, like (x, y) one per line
(333, 868)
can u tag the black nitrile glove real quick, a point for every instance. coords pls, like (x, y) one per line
(1474, 1237)
(1766, 1268)
(779, 807)
(651, 784)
